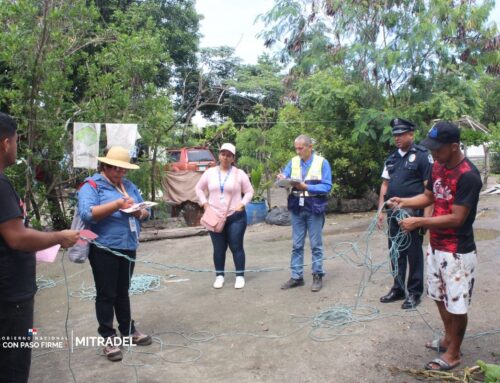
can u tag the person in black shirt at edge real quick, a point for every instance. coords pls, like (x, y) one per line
(453, 188)
(405, 174)
(18, 265)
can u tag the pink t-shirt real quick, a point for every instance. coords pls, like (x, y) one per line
(210, 183)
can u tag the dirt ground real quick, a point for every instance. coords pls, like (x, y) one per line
(261, 333)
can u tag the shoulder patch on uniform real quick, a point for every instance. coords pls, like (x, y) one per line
(421, 148)
(431, 160)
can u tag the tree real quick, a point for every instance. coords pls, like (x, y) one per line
(357, 64)
(37, 59)
(116, 61)
(177, 23)
(121, 85)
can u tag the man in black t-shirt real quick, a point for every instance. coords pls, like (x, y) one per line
(17, 265)
(453, 186)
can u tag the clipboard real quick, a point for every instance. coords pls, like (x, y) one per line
(286, 182)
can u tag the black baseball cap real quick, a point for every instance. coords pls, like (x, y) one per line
(400, 126)
(443, 132)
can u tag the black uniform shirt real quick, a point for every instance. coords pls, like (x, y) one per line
(407, 173)
(17, 268)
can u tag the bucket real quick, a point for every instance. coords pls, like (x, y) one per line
(256, 212)
(192, 213)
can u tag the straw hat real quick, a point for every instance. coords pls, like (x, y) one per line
(118, 156)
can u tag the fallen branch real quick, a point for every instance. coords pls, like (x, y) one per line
(155, 235)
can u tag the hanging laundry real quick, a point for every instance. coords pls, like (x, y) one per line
(124, 135)
(86, 144)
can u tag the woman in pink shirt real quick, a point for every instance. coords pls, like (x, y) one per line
(226, 188)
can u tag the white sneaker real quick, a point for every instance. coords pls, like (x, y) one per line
(239, 283)
(219, 282)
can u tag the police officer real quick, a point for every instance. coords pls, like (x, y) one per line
(312, 181)
(405, 174)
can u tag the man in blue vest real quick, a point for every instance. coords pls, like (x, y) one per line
(311, 177)
(405, 174)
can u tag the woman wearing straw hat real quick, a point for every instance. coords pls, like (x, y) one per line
(100, 205)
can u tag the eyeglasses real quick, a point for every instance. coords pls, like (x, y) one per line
(116, 168)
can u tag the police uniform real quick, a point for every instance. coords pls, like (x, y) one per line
(406, 173)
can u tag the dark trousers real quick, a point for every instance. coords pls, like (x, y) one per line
(15, 360)
(232, 236)
(112, 275)
(412, 256)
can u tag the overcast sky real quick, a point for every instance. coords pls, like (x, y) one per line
(231, 22)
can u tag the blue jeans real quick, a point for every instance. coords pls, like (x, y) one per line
(302, 223)
(232, 236)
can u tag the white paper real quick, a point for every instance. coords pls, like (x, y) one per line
(139, 206)
(123, 135)
(86, 144)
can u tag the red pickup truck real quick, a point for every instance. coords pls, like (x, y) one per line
(197, 159)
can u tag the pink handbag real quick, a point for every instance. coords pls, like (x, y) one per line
(211, 220)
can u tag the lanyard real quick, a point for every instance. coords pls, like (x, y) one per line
(120, 189)
(221, 184)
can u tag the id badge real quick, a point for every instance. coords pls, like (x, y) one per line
(222, 199)
(133, 224)
(301, 201)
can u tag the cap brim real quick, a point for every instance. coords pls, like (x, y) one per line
(118, 163)
(229, 151)
(400, 131)
(431, 143)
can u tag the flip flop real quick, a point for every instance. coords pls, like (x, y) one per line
(436, 346)
(443, 365)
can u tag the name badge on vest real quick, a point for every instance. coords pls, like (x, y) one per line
(301, 201)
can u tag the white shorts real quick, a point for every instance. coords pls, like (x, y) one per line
(450, 278)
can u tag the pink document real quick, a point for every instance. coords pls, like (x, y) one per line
(47, 255)
(86, 235)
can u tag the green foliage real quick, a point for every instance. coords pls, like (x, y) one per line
(258, 184)
(215, 135)
(491, 371)
(290, 124)
(357, 65)
(495, 137)
(141, 178)
(253, 142)
(473, 138)
(351, 66)
(495, 163)
(490, 94)
(109, 63)
(353, 138)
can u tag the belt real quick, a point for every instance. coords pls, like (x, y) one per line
(300, 193)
